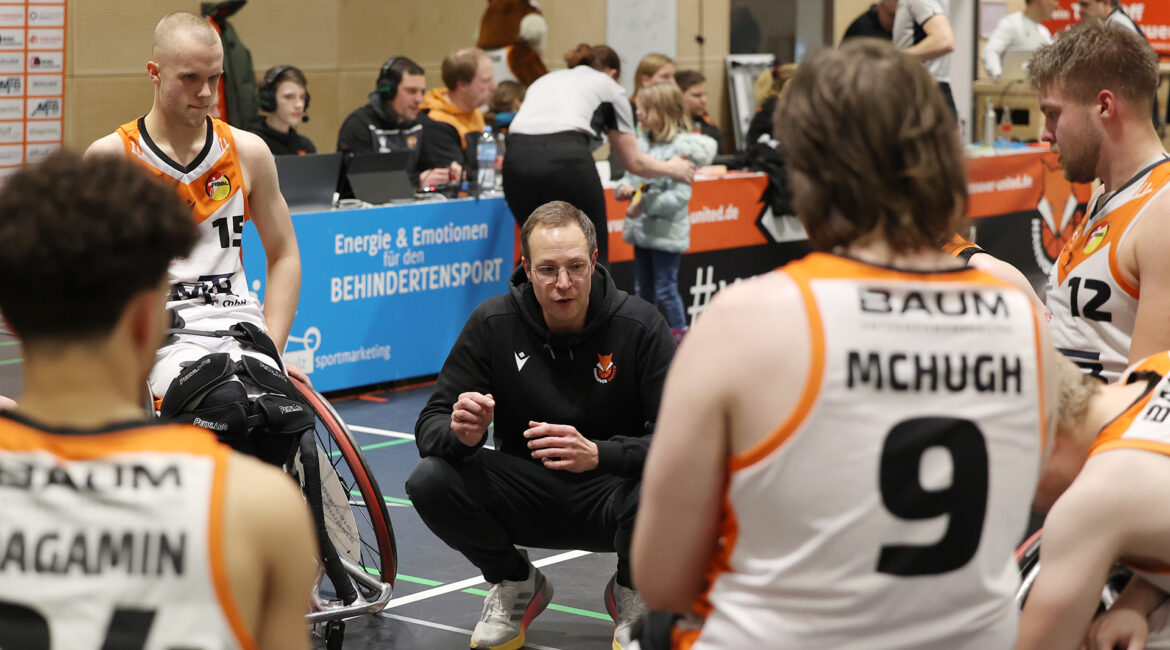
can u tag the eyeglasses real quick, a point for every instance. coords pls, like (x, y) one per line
(577, 271)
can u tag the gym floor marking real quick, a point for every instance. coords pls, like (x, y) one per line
(471, 582)
(388, 433)
(449, 628)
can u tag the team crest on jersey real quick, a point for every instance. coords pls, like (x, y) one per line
(605, 370)
(1095, 238)
(218, 187)
(412, 142)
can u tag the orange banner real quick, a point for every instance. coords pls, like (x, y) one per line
(723, 210)
(1152, 16)
(1011, 183)
(1029, 183)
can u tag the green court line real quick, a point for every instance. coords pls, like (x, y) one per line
(405, 502)
(420, 581)
(376, 445)
(9, 362)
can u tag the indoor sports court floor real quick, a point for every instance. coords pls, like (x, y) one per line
(438, 593)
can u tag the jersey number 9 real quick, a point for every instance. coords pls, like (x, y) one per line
(963, 502)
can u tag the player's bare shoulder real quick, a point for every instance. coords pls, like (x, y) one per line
(255, 158)
(754, 321)
(763, 296)
(108, 145)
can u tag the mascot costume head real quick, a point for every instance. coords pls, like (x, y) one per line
(513, 32)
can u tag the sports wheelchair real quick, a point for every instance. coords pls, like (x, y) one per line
(294, 426)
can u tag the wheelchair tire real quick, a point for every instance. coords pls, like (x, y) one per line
(379, 552)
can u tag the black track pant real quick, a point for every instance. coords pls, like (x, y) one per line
(555, 167)
(485, 506)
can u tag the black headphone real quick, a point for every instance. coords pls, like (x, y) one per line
(388, 79)
(266, 94)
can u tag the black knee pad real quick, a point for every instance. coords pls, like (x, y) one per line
(212, 392)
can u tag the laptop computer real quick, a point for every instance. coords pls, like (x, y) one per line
(309, 182)
(1015, 65)
(378, 178)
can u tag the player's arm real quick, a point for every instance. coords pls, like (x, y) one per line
(274, 225)
(989, 263)
(1151, 329)
(678, 519)
(109, 145)
(710, 410)
(939, 39)
(271, 517)
(1081, 541)
(993, 49)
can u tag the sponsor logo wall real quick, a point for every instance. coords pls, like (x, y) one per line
(32, 81)
(1152, 16)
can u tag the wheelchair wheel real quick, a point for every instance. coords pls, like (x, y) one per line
(355, 519)
(1028, 560)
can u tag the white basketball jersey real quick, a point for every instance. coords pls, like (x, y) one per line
(1092, 307)
(114, 539)
(208, 285)
(884, 512)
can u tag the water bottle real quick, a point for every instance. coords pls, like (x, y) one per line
(486, 157)
(989, 125)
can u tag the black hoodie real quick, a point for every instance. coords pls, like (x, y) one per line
(605, 380)
(281, 144)
(375, 128)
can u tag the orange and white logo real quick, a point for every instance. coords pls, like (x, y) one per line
(218, 187)
(1060, 214)
(606, 369)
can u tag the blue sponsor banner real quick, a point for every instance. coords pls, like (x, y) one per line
(386, 291)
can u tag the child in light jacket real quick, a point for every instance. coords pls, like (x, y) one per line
(657, 221)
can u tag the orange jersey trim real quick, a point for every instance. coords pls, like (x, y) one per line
(1115, 224)
(181, 438)
(219, 576)
(812, 381)
(1040, 403)
(205, 194)
(957, 245)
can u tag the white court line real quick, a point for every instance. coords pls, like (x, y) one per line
(471, 582)
(381, 432)
(390, 434)
(450, 628)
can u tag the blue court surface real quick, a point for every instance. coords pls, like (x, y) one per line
(438, 594)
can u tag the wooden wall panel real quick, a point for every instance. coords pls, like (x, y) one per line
(339, 44)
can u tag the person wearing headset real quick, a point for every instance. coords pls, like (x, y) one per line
(389, 122)
(284, 96)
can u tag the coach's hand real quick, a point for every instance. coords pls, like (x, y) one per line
(560, 446)
(470, 417)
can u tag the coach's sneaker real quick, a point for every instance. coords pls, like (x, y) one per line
(625, 607)
(508, 609)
